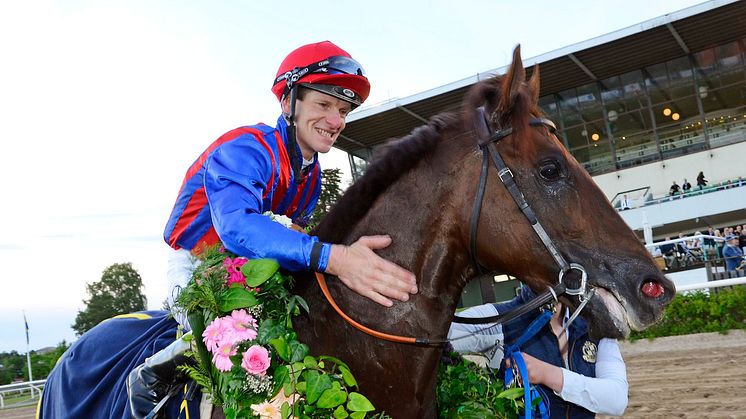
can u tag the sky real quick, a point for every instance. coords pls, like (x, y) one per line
(105, 104)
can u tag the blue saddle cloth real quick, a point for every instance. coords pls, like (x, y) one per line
(90, 379)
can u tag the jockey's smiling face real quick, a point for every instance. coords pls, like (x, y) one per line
(319, 119)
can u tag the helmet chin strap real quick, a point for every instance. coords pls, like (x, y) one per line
(295, 160)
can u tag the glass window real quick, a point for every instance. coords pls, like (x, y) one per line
(656, 82)
(549, 106)
(568, 101)
(576, 136)
(633, 89)
(681, 78)
(589, 101)
(595, 158)
(611, 92)
(706, 66)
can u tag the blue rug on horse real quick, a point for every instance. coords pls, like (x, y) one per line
(89, 380)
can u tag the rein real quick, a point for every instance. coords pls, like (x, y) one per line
(490, 152)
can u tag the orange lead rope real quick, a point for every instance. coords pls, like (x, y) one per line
(393, 338)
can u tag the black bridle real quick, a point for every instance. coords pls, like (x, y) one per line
(486, 142)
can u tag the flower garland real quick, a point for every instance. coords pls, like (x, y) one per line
(248, 355)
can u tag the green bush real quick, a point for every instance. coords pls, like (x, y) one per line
(718, 311)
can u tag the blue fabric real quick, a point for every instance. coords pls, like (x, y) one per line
(733, 256)
(543, 345)
(513, 352)
(89, 380)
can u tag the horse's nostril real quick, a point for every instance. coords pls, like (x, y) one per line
(652, 289)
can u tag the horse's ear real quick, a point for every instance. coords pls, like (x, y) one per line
(533, 85)
(512, 81)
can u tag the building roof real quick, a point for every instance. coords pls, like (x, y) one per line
(651, 42)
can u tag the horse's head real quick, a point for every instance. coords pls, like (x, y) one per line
(631, 292)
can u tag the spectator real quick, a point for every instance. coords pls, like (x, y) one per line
(740, 181)
(733, 254)
(686, 186)
(729, 184)
(674, 189)
(701, 181)
(626, 203)
(695, 243)
(669, 252)
(719, 243)
(681, 246)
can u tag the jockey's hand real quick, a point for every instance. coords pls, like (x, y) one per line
(540, 372)
(368, 274)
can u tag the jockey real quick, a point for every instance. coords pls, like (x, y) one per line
(251, 170)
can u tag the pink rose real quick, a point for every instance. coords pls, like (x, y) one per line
(255, 360)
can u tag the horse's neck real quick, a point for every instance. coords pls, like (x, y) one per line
(425, 241)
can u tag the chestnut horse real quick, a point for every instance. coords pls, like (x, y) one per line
(421, 190)
(436, 195)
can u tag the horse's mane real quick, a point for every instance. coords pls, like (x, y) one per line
(398, 156)
(389, 163)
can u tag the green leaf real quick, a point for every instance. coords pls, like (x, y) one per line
(269, 329)
(298, 351)
(332, 397)
(340, 413)
(257, 271)
(359, 403)
(511, 393)
(301, 302)
(285, 410)
(347, 376)
(474, 410)
(310, 362)
(316, 384)
(280, 377)
(282, 348)
(235, 298)
(357, 415)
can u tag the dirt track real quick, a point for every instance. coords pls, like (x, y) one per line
(692, 376)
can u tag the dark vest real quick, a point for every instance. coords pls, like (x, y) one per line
(544, 346)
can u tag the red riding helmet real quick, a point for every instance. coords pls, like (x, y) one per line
(326, 68)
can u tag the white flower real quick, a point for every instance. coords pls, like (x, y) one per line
(282, 219)
(266, 410)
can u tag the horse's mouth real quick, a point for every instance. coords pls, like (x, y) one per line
(617, 313)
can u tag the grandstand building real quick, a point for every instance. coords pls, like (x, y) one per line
(639, 108)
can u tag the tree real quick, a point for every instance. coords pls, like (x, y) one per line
(118, 292)
(330, 193)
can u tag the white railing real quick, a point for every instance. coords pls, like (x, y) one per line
(712, 284)
(18, 389)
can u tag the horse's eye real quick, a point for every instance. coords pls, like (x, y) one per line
(549, 170)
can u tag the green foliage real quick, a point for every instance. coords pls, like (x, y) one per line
(700, 312)
(466, 390)
(330, 193)
(13, 366)
(118, 292)
(301, 385)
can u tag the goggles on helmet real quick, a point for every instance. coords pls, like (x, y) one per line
(337, 64)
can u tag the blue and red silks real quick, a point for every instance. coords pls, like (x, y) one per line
(241, 175)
